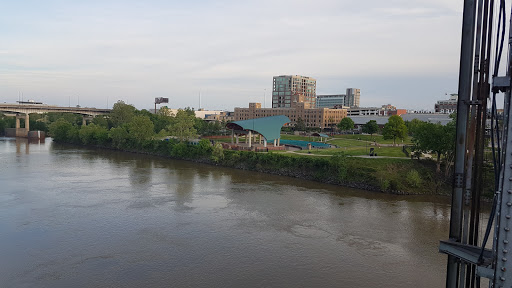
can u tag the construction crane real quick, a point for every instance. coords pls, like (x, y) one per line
(469, 261)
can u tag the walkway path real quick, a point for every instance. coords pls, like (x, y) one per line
(358, 156)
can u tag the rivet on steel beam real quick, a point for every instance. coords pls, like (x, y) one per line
(509, 191)
(502, 278)
(507, 229)
(507, 216)
(505, 251)
(505, 241)
(509, 204)
(503, 269)
(504, 259)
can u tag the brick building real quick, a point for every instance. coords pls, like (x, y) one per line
(312, 117)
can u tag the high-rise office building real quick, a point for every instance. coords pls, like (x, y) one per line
(288, 89)
(352, 99)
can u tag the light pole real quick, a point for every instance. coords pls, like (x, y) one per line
(265, 98)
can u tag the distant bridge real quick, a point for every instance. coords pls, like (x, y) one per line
(42, 108)
(21, 111)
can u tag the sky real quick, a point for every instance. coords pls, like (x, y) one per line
(94, 53)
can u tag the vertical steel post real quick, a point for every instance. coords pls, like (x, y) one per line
(465, 77)
(502, 244)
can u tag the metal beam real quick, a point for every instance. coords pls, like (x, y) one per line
(464, 91)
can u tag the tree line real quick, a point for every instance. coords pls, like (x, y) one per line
(127, 127)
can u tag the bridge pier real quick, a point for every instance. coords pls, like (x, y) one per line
(22, 132)
(85, 119)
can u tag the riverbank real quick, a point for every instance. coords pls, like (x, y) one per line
(395, 176)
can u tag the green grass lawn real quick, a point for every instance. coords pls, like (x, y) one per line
(379, 138)
(341, 142)
(357, 151)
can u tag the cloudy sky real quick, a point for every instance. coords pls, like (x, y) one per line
(403, 52)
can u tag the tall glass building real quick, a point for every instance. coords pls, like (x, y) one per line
(288, 89)
(330, 101)
(350, 99)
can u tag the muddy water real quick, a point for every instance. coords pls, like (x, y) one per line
(73, 217)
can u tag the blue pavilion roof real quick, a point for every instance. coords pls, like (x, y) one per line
(269, 127)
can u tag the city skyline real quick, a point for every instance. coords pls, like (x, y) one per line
(405, 53)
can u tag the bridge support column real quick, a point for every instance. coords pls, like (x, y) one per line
(22, 132)
(27, 123)
(250, 138)
(85, 119)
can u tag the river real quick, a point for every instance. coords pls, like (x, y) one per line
(76, 217)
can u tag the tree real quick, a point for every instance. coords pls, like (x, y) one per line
(413, 125)
(190, 111)
(346, 124)
(100, 120)
(119, 135)
(300, 125)
(430, 137)
(140, 128)
(59, 130)
(395, 128)
(165, 111)
(331, 123)
(93, 134)
(74, 119)
(371, 127)
(121, 113)
(182, 125)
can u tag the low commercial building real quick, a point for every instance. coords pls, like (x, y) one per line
(312, 117)
(211, 115)
(222, 116)
(447, 106)
(364, 111)
(350, 99)
(384, 110)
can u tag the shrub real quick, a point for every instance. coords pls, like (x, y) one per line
(339, 166)
(204, 147)
(217, 153)
(384, 185)
(413, 178)
(180, 150)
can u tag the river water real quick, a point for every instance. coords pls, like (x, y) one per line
(75, 217)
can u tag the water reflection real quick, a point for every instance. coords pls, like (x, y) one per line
(23, 144)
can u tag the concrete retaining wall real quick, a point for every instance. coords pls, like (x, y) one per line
(11, 132)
